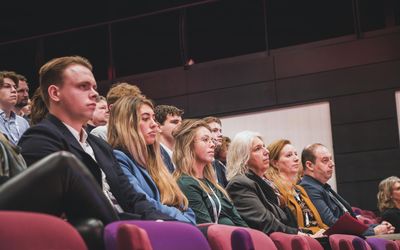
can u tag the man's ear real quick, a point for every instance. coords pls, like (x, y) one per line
(54, 93)
(309, 166)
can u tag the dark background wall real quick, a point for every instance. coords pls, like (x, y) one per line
(250, 55)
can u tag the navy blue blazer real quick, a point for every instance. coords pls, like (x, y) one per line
(167, 160)
(329, 210)
(220, 170)
(51, 135)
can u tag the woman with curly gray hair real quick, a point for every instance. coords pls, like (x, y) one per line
(389, 201)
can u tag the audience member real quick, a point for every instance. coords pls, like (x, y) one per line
(252, 193)
(22, 96)
(11, 124)
(39, 109)
(318, 168)
(169, 117)
(220, 169)
(100, 114)
(389, 201)
(284, 172)
(68, 88)
(132, 132)
(220, 152)
(193, 154)
(116, 91)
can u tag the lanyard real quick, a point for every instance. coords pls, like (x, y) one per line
(214, 206)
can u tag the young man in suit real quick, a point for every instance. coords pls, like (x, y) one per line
(216, 131)
(318, 169)
(69, 91)
(169, 117)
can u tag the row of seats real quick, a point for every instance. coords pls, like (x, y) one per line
(366, 216)
(25, 230)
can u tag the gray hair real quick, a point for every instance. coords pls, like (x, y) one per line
(239, 153)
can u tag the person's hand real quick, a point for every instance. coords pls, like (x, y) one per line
(319, 234)
(384, 228)
(390, 227)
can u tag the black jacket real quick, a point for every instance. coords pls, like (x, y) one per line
(256, 203)
(51, 135)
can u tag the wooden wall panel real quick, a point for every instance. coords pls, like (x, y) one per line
(365, 136)
(340, 82)
(342, 55)
(363, 107)
(232, 99)
(360, 194)
(179, 101)
(162, 84)
(223, 75)
(367, 166)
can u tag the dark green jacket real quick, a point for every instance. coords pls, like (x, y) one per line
(201, 204)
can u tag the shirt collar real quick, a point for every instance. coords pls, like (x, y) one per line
(3, 114)
(77, 134)
(169, 151)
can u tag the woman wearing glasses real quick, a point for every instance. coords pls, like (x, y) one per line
(193, 154)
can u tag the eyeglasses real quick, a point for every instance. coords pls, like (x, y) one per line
(205, 140)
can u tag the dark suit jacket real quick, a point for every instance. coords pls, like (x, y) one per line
(220, 170)
(250, 197)
(329, 210)
(167, 160)
(51, 135)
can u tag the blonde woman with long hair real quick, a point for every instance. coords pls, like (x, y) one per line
(193, 155)
(389, 201)
(133, 132)
(284, 171)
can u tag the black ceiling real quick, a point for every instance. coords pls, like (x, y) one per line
(22, 19)
(148, 35)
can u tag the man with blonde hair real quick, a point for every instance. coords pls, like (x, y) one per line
(216, 132)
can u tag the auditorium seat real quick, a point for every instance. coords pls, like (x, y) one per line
(285, 241)
(224, 237)
(132, 237)
(34, 231)
(381, 244)
(162, 235)
(347, 242)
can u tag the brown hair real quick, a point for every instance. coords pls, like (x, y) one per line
(184, 156)
(8, 74)
(121, 89)
(38, 108)
(162, 111)
(210, 119)
(52, 73)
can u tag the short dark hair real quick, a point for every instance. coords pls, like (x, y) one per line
(8, 74)
(21, 78)
(210, 119)
(162, 111)
(308, 153)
